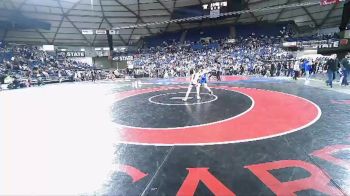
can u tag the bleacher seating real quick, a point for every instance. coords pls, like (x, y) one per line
(158, 40)
(215, 32)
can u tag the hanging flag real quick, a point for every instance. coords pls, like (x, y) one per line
(328, 2)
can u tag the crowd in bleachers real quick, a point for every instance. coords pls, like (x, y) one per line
(252, 53)
(243, 55)
(24, 66)
(330, 36)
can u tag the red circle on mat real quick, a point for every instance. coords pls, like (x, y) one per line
(273, 114)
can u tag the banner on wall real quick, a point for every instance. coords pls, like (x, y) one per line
(344, 42)
(61, 55)
(112, 32)
(87, 32)
(123, 58)
(75, 54)
(289, 44)
(313, 44)
(65, 54)
(101, 32)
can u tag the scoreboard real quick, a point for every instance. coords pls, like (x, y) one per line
(214, 9)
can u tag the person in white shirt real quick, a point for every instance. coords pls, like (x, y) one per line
(296, 69)
(166, 75)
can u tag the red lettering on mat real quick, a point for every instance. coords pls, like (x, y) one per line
(317, 180)
(195, 175)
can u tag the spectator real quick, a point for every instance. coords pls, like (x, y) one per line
(296, 69)
(331, 67)
(307, 67)
(345, 66)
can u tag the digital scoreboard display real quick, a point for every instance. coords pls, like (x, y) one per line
(215, 9)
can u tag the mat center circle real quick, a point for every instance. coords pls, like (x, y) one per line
(177, 98)
(166, 109)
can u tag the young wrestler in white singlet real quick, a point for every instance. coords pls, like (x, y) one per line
(193, 83)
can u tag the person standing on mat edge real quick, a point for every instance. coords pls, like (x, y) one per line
(296, 69)
(307, 67)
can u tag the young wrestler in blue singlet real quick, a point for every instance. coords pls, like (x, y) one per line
(204, 80)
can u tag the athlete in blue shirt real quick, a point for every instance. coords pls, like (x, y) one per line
(204, 80)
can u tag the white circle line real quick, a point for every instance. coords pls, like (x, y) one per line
(169, 104)
(201, 125)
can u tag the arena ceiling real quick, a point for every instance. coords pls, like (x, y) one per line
(69, 17)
